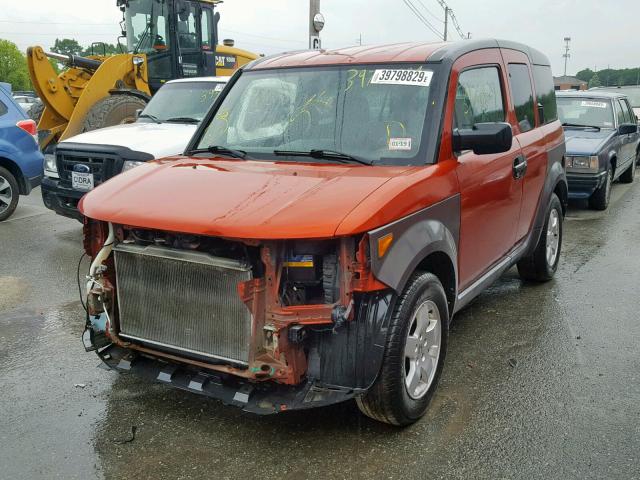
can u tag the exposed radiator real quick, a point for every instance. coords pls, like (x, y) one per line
(183, 300)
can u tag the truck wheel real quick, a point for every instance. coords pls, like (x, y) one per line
(542, 264)
(628, 175)
(113, 110)
(414, 354)
(9, 194)
(599, 200)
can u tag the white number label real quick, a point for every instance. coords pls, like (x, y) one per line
(591, 103)
(420, 78)
(82, 181)
(400, 144)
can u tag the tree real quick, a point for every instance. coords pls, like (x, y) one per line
(67, 46)
(101, 48)
(13, 66)
(595, 81)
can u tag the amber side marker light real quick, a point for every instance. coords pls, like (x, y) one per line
(384, 243)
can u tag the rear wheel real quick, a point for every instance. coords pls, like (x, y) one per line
(414, 354)
(542, 264)
(629, 173)
(599, 200)
(113, 110)
(9, 194)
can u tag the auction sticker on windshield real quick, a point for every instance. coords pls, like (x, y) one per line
(390, 76)
(400, 144)
(591, 103)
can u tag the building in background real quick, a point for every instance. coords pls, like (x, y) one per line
(566, 82)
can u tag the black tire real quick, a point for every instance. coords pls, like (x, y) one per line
(599, 199)
(330, 278)
(628, 175)
(9, 194)
(35, 112)
(113, 110)
(537, 267)
(388, 399)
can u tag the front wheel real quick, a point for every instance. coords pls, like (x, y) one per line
(414, 354)
(599, 200)
(9, 194)
(541, 265)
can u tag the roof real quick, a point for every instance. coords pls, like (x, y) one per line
(567, 79)
(410, 52)
(200, 79)
(588, 93)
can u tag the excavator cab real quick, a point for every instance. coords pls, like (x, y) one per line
(178, 37)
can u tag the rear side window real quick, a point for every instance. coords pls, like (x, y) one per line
(478, 97)
(3, 109)
(543, 81)
(620, 115)
(522, 95)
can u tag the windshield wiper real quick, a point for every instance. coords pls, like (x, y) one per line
(152, 117)
(324, 154)
(566, 124)
(220, 150)
(182, 120)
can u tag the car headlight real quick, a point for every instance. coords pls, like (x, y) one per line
(583, 163)
(129, 164)
(50, 166)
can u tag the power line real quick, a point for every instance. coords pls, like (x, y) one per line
(421, 17)
(429, 12)
(448, 12)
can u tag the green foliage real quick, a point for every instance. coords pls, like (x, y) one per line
(612, 77)
(13, 66)
(595, 81)
(101, 49)
(66, 46)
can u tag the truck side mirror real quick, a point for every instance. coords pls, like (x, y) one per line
(484, 138)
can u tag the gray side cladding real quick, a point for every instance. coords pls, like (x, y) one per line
(433, 229)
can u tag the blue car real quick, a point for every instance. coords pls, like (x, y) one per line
(603, 143)
(21, 162)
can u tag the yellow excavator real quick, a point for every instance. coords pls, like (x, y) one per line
(165, 39)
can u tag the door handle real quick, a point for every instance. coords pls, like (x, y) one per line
(519, 167)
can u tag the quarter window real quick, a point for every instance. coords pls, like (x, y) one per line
(545, 92)
(522, 95)
(3, 109)
(478, 97)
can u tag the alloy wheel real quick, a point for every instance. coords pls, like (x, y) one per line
(422, 349)
(553, 236)
(6, 194)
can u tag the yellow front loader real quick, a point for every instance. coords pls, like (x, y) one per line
(166, 39)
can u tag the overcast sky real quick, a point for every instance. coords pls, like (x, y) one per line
(603, 33)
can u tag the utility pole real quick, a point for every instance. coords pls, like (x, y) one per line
(446, 21)
(316, 23)
(566, 53)
(359, 40)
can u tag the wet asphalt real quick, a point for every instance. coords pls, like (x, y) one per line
(541, 381)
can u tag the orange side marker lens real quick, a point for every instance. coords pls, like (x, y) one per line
(384, 243)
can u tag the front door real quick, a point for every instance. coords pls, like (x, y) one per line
(490, 194)
(189, 37)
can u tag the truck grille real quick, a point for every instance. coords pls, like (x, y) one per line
(100, 164)
(183, 300)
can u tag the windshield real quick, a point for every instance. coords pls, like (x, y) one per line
(182, 101)
(374, 113)
(146, 26)
(585, 112)
(633, 93)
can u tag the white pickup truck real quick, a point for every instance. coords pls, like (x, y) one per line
(162, 129)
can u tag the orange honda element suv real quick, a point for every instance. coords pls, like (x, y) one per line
(332, 213)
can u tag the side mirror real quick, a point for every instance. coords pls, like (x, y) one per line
(484, 138)
(627, 129)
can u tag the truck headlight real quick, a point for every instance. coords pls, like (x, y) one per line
(50, 167)
(583, 163)
(129, 164)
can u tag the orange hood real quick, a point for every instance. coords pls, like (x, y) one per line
(237, 199)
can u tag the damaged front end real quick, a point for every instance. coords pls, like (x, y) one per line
(264, 325)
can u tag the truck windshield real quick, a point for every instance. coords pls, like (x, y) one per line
(585, 112)
(182, 102)
(146, 22)
(373, 113)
